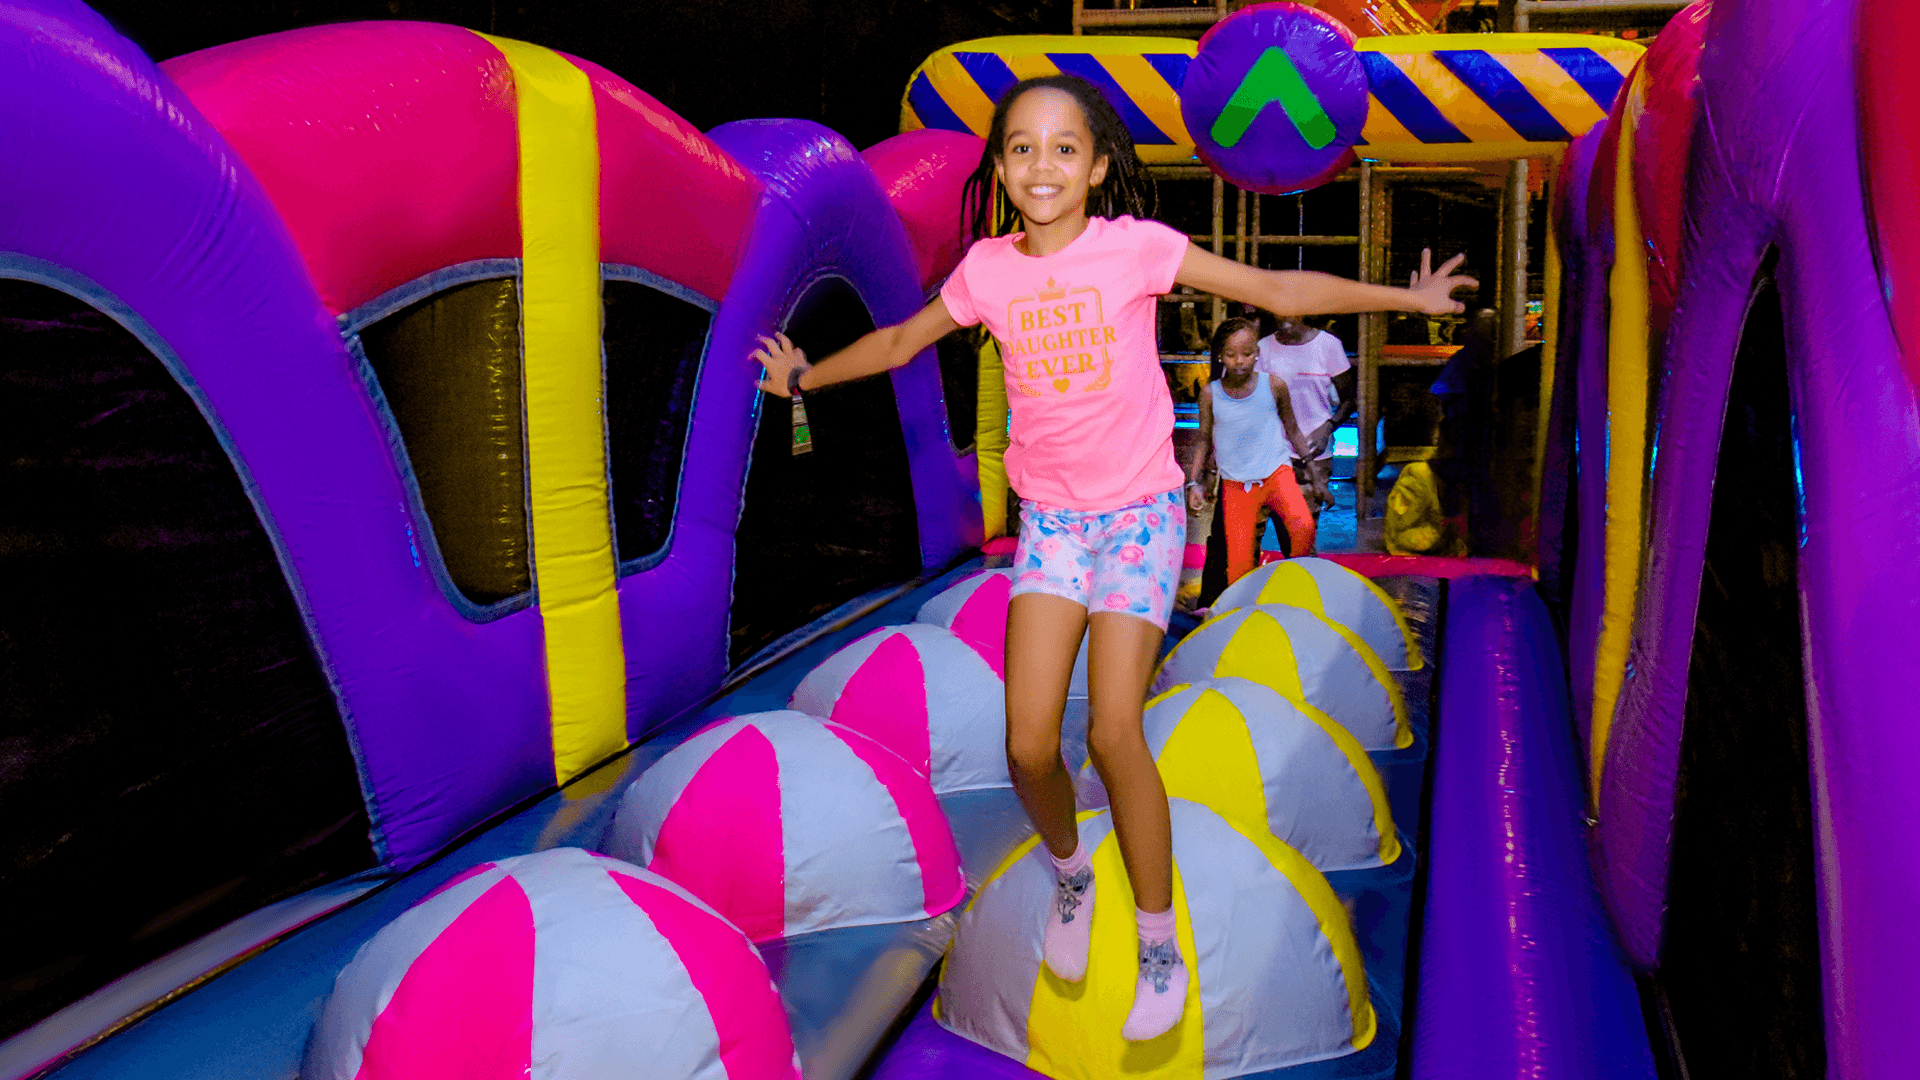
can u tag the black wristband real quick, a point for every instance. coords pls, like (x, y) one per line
(793, 381)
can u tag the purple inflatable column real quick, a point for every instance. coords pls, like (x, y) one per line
(1519, 973)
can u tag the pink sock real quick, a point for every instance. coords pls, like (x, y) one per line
(1154, 927)
(1074, 863)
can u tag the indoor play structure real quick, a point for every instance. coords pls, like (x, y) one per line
(504, 695)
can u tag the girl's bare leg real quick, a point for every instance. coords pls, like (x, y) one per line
(1119, 665)
(1043, 637)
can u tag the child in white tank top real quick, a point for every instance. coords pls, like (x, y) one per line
(1247, 429)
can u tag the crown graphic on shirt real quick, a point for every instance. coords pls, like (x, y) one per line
(1053, 292)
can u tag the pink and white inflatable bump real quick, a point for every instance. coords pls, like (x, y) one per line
(787, 823)
(559, 964)
(924, 693)
(975, 610)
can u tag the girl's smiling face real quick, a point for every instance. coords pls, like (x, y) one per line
(1047, 164)
(1237, 356)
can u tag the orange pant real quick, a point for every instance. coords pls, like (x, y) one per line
(1241, 504)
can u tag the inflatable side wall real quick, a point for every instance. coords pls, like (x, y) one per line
(284, 221)
(1768, 247)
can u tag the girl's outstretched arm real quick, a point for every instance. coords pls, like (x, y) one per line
(880, 350)
(1305, 292)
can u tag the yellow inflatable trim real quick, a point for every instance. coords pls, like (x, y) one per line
(1071, 1027)
(990, 439)
(1493, 138)
(1295, 587)
(1211, 760)
(968, 92)
(1626, 446)
(560, 321)
(1261, 651)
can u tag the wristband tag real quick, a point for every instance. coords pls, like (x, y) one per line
(802, 430)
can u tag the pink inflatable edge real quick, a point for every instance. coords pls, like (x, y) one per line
(391, 150)
(923, 173)
(886, 699)
(755, 1041)
(734, 798)
(464, 1009)
(941, 879)
(981, 621)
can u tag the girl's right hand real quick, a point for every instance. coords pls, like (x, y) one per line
(1433, 289)
(1196, 497)
(779, 356)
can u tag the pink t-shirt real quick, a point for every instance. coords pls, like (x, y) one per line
(1092, 421)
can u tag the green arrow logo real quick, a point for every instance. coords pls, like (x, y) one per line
(1274, 78)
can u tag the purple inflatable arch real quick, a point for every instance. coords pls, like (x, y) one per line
(1765, 176)
(117, 189)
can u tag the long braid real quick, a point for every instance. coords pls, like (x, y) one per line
(1126, 191)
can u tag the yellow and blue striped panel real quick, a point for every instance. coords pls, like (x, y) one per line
(955, 89)
(1518, 95)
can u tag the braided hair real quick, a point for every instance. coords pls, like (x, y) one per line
(1223, 333)
(1127, 189)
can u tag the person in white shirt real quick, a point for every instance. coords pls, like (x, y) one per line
(1321, 381)
(1247, 429)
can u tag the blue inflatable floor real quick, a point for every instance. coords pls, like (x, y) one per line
(844, 990)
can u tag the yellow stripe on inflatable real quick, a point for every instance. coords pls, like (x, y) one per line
(1543, 79)
(1211, 760)
(1293, 586)
(990, 439)
(1553, 88)
(1382, 133)
(1334, 926)
(566, 443)
(1031, 66)
(959, 91)
(1073, 1028)
(1260, 651)
(1451, 97)
(1626, 444)
(1403, 724)
(968, 95)
(1138, 77)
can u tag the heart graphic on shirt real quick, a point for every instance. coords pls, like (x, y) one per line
(1061, 385)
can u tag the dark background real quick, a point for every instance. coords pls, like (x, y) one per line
(843, 63)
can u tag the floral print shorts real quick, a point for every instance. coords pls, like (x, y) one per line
(1125, 560)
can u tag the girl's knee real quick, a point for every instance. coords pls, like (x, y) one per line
(1033, 758)
(1116, 742)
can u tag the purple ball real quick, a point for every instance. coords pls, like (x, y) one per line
(1277, 98)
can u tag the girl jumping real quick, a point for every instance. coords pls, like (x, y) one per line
(1071, 299)
(1247, 428)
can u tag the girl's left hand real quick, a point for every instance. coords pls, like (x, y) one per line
(1433, 289)
(778, 356)
(1317, 442)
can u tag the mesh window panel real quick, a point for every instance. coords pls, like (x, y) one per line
(822, 528)
(171, 756)
(450, 369)
(1742, 959)
(653, 342)
(960, 382)
(1449, 220)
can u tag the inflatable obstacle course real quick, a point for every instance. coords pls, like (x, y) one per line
(1731, 353)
